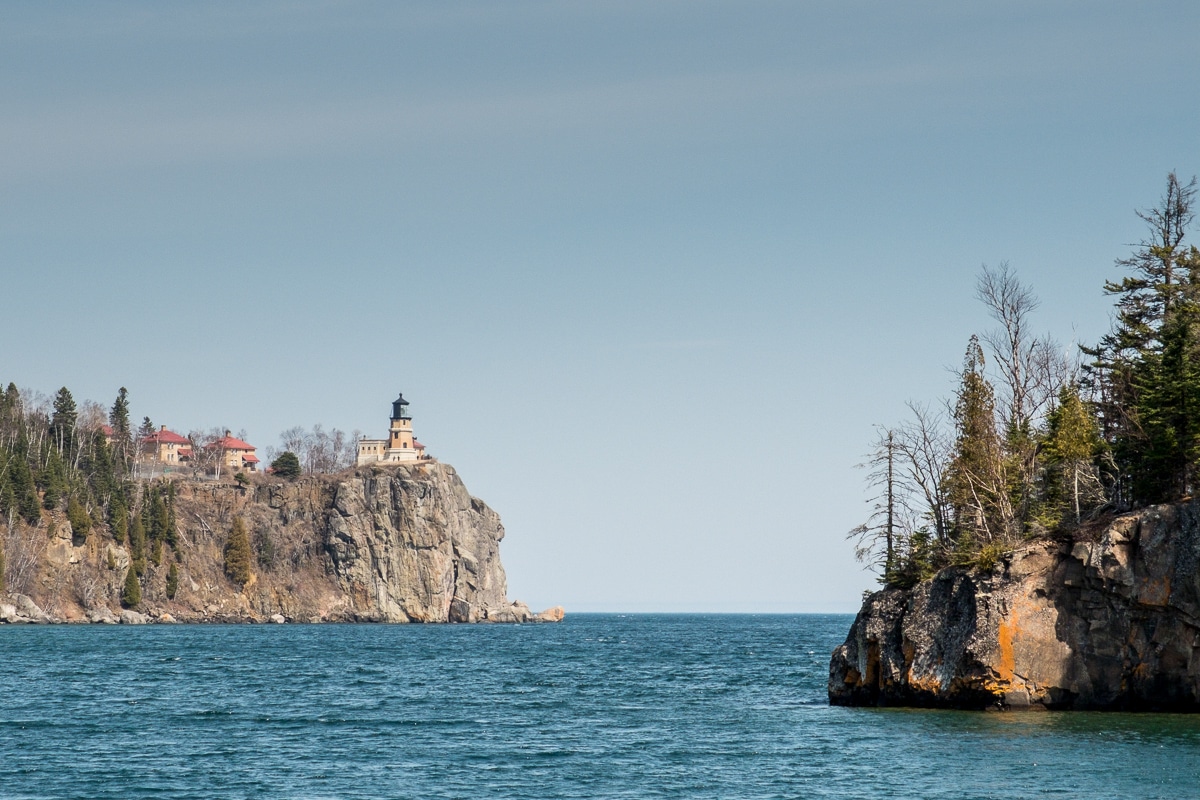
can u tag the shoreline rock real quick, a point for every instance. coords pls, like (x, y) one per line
(1112, 624)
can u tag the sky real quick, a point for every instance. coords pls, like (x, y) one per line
(649, 273)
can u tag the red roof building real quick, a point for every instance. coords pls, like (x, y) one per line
(164, 446)
(234, 453)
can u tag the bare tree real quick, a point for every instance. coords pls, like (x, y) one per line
(319, 450)
(1010, 303)
(926, 447)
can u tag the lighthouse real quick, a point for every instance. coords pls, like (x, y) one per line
(400, 445)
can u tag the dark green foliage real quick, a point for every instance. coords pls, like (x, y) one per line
(172, 581)
(237, 554)
(1069, 447)
(1070, 450)
(137, 544)
(81, 521)
(131, 595)
(266, 549)
(24, 489)
(287, 465)
(118, 519)
(53, 481)
(975, 478)
(122, 435)
(62, 423)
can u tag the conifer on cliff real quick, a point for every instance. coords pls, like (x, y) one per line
(131, 595)
(237, 554)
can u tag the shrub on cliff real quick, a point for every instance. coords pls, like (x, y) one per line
(172, 582)
(287, 465)
(237, 554)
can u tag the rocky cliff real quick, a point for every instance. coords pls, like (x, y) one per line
(1112, 623)
(382, 544)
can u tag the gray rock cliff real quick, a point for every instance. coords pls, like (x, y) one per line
(1107, 624)
(403, 543)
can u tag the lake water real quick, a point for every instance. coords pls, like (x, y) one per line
(600, 706)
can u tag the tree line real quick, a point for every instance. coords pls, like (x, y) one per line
(1038, 442)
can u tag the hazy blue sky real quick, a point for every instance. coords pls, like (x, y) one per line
(648, 272)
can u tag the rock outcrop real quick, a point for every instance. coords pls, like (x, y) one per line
(1107, 624)
(405, 543)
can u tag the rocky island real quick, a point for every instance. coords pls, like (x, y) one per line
(1038, 539)
(1107, 624)
(402, 543)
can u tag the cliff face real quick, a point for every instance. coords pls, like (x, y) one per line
(1110, 624)
(396, 544)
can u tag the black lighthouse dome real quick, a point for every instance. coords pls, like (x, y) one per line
(400, 408)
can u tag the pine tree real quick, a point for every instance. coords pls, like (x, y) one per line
(287, 465)
(137, 544)
(1070, 447)
(131, 595)
(62, 423)
(172, 581)
(118, 518)
(122, 434)
(53, 481)
(1145, 372)
(81, 521)
(975, 480)
(29, 506)
(238, 557)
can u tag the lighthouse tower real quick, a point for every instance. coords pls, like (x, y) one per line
(400, 444)
(400, 435)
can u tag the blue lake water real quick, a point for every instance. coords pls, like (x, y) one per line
(600, 706)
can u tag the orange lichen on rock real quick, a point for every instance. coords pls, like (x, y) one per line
(1007, 633)
(1154, 591)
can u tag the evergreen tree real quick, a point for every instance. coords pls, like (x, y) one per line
(118, 519)
(1145, 372)
(53, 481)
(122, 433)
(137, 544)
(238, 557)
(160, 517)
(287, 465)
(62, 423)
(172, 581)
(975, 479)
(1071, 445)
(131, 595)
(24, 488)
(81, 521)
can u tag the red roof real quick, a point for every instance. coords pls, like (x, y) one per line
(230, 443)
(166, 437)
(417, 445)
(185, 452)
(250, 458)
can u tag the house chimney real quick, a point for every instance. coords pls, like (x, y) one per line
(163, 428)
(227, 434)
